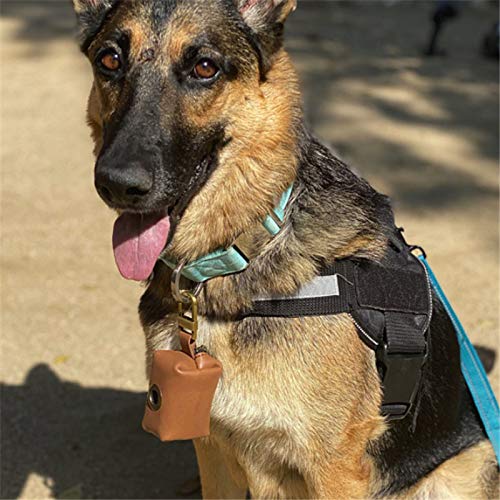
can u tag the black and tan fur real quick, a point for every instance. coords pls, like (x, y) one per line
(296, 414)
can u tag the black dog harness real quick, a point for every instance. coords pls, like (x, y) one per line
(391, 305)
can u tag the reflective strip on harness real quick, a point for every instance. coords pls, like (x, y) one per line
(332, 291)
(321, 286)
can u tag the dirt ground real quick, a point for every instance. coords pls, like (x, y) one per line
(424, 131)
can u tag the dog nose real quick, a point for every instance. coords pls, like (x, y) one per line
(122, 185)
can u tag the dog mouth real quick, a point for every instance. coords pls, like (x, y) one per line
(140, 238)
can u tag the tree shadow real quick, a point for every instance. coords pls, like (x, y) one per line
(88, 441)
(85, 442)
(394, 93)
(350, 49)
(39, 22)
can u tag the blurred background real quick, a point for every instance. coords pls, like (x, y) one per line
(405, 92)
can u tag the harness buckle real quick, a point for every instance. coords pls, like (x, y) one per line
(401, 375)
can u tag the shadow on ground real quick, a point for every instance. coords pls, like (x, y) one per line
(85, 442)
(371, 90)
(41, 22)
(368, 92)
(341, 56)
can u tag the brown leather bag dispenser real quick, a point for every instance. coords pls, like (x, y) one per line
(181, 390)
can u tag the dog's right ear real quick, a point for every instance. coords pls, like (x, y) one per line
(260, 14)
(266, 19)
(90, 15)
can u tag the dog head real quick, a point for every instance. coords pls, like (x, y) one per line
(195, 115)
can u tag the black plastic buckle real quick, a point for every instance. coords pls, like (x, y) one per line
(401, 374)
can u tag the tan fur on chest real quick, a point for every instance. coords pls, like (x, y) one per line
(290, 393)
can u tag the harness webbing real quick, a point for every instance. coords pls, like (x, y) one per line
(332, 290)
(391, 305)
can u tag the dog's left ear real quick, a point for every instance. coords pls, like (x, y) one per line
(266, 19)
(90, 15)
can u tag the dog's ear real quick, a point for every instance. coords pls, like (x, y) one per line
(260, 14)
(90, 15)
(266, 19)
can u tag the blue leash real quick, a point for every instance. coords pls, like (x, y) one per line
(472, 370)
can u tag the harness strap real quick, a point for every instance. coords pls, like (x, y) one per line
(391, 306)
(472, 370)
(330, 291)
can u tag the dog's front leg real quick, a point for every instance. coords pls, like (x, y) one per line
(221, 475)
(277, 482)
(336, 480)
(346, 473)
(341, 479)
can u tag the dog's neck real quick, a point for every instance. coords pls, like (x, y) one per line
(332, 214)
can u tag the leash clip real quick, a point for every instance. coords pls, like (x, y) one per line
(187, 315)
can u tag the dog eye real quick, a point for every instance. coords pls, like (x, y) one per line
(110, 60)
(205, 69)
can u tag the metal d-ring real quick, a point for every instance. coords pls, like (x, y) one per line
(175, 285)
(417, 247)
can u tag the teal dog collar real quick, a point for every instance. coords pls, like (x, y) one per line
(230, 260)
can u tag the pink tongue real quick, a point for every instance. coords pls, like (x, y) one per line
(138, 240)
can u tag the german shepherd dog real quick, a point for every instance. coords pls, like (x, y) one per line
(196, 116)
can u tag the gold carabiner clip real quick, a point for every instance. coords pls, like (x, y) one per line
(187, 314)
